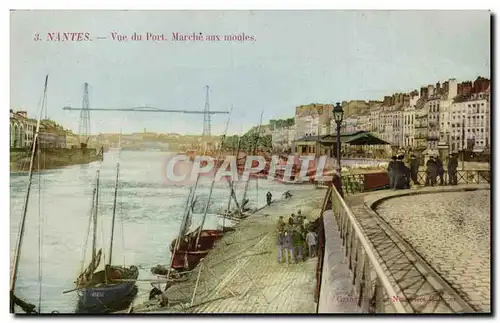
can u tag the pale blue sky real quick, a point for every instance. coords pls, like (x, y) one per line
(299, 57)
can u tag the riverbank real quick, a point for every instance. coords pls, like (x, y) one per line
(52, 159)
(241, 274)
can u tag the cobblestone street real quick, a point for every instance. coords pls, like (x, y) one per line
(451, 231)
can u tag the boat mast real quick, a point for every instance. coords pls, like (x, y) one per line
(231, 186)
(181, 228)
(114, 215)
(22, 224)
(94, 234)
(213, 180)
(254, 152)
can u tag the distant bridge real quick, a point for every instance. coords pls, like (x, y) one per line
(151, 109)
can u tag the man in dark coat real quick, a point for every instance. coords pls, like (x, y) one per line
(390, 171)
(269, 197)
(414, 169)
(440, 170)
(401, 174)
(452, 169)
(432, 170)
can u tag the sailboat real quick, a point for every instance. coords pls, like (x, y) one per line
(190, 247)
(114, 287)
(14, 300)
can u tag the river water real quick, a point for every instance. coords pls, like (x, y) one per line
(149, 213)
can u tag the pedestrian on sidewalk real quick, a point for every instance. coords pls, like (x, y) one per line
(280, 245)
(452, 170)
(440, 170)
(401, 174)
(414, 169)
(432, 170)
(311, 241)
(289, 248)
(390, 171)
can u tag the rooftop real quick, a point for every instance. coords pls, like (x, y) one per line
(353, 138)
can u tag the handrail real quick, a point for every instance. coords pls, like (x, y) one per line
(346, 234)
(354, 183)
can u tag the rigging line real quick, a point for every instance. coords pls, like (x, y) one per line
(40, 236)
(122, 222)
(101, 220)
(86, 240)
(213, 180)
(22, 223)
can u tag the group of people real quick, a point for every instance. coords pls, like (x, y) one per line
(296, 240)
(400, 175)
(435, 169)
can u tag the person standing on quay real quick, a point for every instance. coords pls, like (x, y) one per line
(431, 172)
(401, 174)
(311, 243)
(269, 197)
(281, 224)
(414, 169)
(452, 170)
(289, 248)
(298, 242)
(390, 171)
(280, 245)
(440, 170)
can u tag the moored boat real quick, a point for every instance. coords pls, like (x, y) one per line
(110, 289)
(188, 255)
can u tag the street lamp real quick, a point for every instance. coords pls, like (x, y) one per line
(338, 116)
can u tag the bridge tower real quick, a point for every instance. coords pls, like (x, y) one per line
(207, 126)
(84, 129)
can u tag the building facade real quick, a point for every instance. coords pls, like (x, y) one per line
(433, 121)
(23, 129)
(470, 124)
(438, 117)
(409, 126)
(283, 138)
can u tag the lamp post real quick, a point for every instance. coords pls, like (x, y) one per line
(338, 115)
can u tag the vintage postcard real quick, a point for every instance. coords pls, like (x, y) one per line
(250, 161)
